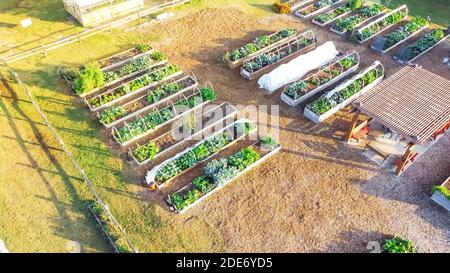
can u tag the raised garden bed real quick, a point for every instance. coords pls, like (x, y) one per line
(363, 15)
(111, 232)
(268, 60)
(154, 118)
(219, 173)
(405, 32)
(151, 150)
(114, 115)
(345, 93)
(441, 194)
(299, 91)
(295, 4)
(316, 8)
(381, 24)
(160, 175)
(428, 41)
(332, 15)
(122, 57)
(236, 57)
(152, 78)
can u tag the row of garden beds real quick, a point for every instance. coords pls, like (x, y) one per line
(153, 96)
(221, 172)
(316, 8)
(341, 96)
(161, 175)
(381, 24)
(151, 119)
(409, 53)
(190, 129)
(236, 57)
(390, 40)
(132, 86)
(364, 14)
(301, 90)
(332, 15)
(262, 63)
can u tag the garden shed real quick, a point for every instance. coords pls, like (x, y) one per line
(89, 12)
(407, 113)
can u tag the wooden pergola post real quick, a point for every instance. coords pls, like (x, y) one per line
(406, 158)
(353, 125)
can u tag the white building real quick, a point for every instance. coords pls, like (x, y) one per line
(89, 12)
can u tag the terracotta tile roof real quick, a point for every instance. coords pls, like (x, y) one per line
(413, 102)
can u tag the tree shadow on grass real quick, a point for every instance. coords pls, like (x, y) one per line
(63, 222)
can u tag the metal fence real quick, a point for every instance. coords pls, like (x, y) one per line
(80, 170)
(44, 49)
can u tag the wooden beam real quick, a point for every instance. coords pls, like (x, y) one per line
(353, 125)
(406, 158)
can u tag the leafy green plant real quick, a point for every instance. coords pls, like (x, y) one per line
(349, 23)
(422, 44)
(399, 245)
(202, 184)
(403, 32)
(163, 91)
(243, 158)
(331, 15)
(112, 114)
(143, 47)
(147, 151)
(214, 166)
(268, 142)
(89, 78)
(355, 4)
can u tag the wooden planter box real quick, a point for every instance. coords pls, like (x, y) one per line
(298, 14)
(295, 4)
(314, 21)
(253, 75)
(415, 58)
(191, 137)
(125, 61)
(188, 187)
(162, 185)
(357, 25)
(440, 199)
(127, 54)
(137, 91)
(135, 113)
(236, 64)
(311, 93)
(399, 42)
(381, 19)
(157, 127)
(317, 119)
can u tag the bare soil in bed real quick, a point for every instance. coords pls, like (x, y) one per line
(318, 194)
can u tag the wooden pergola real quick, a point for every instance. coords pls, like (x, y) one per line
(413, 103)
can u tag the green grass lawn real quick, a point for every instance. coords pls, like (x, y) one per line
(438, 10)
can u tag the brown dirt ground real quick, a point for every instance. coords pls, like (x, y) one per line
(318, 194)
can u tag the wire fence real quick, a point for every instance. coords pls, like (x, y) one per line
(44, 49)
(80, 170)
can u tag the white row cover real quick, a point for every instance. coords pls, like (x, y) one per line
(298, 67)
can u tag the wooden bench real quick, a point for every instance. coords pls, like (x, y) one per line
(378, 151)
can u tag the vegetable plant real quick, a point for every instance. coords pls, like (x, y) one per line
(147, 151)
(112, 114)
(89, 78)
(399, 245)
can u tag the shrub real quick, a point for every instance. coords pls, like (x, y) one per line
(355, 4)
(89, 78)
(281, 8)
(399, 245)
